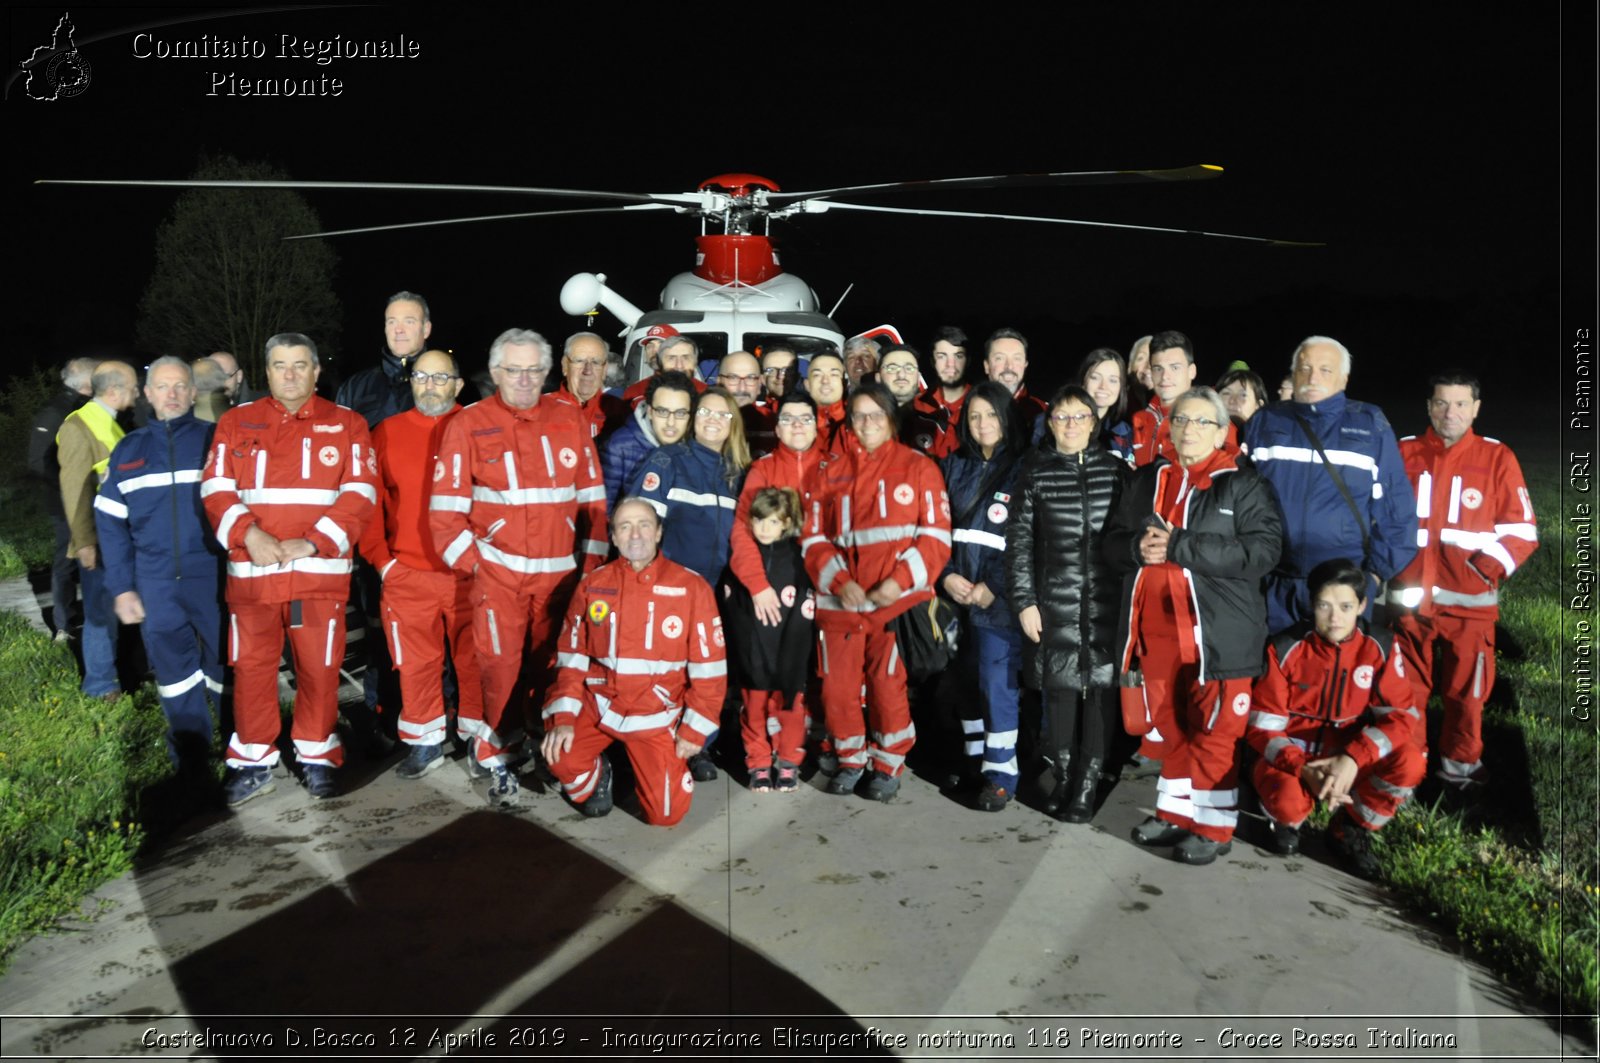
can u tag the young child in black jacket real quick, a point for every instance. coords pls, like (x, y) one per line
(772, 664)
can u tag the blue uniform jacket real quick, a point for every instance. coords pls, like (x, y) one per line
(148, 513)
(978, 544)
(1317, 522)
(686, 485)
(624, 451)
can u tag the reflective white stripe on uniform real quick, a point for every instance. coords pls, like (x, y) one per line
(580, 661)
(526, 565)
(591, 494)
(698, 723)
(328, 527)
(1424, 495)
(366, 491)
(229, 519)
(708, 670)
(458, 546)
(211, 486)
(159, 479)
(426, 733)
(919, 569)
(1444, 597)
(251, 754)
(110, 508)
(287, 496)
(596, 547)
(1268, 721)
(1455, 501)
(450, 504)
(309, 752)
(1276, 746)
(494, 632)
(709, 500)
(327, 653)
(1308, 456)
(910, 732)
(935, 533)
(980, 538)
(1379, 739)
(320, 566)
(525, 496)
(616, 721)
(182, 686)
(640, 666)
(562, 706)
(889, 533)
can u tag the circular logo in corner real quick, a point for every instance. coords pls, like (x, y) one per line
(687, 783)
(998, 514)
(1241, 704)
(598, 611)
(329, 456)
(903, 494)
(1472, 498)
(786, 596)
(672, 627)
(651, 482)
(568, 457)
(1363, 677)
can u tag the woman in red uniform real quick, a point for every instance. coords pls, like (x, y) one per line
(877, 535)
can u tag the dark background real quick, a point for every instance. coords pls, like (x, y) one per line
(1426, 147)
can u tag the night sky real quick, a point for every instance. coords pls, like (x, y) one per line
(1427, 148)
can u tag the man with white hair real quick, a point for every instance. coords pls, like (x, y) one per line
(519, 505)
(75, 391)
(163, 566)
(1339, 477)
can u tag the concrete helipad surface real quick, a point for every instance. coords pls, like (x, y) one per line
(411, 914)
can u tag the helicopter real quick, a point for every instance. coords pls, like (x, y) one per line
(737, 296)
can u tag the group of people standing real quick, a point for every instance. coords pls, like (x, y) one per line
(1193, 570)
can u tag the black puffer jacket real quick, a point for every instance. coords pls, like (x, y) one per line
(1230, 538)
(1054, 561)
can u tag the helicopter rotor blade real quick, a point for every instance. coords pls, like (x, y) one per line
(1201, 172)
(693, 199)
(483, 217)
(821, 206)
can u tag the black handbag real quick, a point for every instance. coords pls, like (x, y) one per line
(926, 634)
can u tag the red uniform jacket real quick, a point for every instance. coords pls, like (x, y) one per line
(520, 489)
(872, 517)
(408, 452)
(605, 413)
(1474, 525)
(1152, 435)
(1318, 699)
(646, 646)
(307, 475)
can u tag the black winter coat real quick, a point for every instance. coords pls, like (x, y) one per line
(1231, 537)
(772, 658)
(1054, 561)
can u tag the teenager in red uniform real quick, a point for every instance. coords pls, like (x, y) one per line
(425, 602)
(1194, 539)
(942, 401)
(877, 536)
(518, 504)
(1475, 526)
(1172, 372)
(1332, 720)
(642, 662)
(825, 385)
(288, 488)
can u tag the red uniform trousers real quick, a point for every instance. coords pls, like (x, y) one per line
(421, 610)
(1466, 661)
(1201, 725)
(508, 611)
(773, 726)
(255, 646)
(1378, 793)
(662, 781)
(845, 657)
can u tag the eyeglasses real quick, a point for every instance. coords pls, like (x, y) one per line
(802, 421)
(1073, 418)
(748, 378)
(898, 370)
(868, 417)
(1181, 421)
(523, 372)
(721, 415)
(438, 380)
(670, 415)
(777, 370)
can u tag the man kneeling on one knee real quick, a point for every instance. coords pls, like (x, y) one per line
(1332, 719)
(642, 662)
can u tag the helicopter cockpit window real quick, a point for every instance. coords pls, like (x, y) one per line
(805, 346)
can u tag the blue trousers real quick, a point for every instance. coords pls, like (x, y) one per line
(999, 674)
(182, 633)
(99, 634)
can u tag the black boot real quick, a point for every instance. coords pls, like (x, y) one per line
(1081, 808)
(1061, 770)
